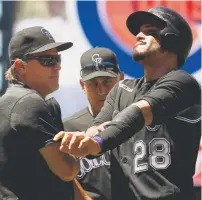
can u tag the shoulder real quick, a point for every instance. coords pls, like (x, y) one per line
(78, 115)
(23, 99)
(179, 76)
(29, 107)
(179, 80)
(79, 121)
(128, 84)
(123, 87)
(16, 92)
(31, 112)
(30, 102)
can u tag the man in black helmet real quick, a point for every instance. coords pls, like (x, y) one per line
(155, 120)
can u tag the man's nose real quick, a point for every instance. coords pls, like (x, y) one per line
(57, 67)
(140, 36)
(101, 90)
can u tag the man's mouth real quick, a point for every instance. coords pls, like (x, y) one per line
(52, 77)
(139, 43)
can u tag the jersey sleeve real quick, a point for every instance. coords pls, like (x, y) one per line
(172, 94)
(107, 110)
(32, 121)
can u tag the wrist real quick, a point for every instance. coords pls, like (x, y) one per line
(99, 141)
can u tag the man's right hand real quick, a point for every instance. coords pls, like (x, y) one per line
(77, 143)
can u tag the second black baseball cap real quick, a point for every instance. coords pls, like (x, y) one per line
(34, 40)
(99, 61)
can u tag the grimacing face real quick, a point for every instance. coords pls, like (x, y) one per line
(44, 80)
(97, 89)
(147, 42)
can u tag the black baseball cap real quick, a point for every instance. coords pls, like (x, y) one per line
(98, 62)
(32, 40)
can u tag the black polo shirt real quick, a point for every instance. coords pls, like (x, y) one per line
(26, 126)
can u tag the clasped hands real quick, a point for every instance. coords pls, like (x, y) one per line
(80, 144)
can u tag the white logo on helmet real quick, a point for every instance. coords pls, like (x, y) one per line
(97, 59)
(45, 32)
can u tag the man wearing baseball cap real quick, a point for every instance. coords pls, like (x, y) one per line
(155, 126)
(31, 164)
(99, 73)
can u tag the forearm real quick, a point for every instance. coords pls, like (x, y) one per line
(65, 166)
(94, 130)
(122, 127)
(73, 166)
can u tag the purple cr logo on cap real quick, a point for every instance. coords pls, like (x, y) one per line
(45, 32)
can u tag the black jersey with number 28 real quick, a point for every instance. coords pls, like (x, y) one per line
(157, 162)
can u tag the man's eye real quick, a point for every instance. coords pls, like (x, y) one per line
(109, 81)
(93, 84)
(153, 33)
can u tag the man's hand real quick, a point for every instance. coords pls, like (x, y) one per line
(94, 130)
(77, 143)
(103, 126)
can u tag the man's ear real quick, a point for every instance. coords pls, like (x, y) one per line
(83, 86)
(19, 66)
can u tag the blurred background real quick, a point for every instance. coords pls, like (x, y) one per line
(89, 24)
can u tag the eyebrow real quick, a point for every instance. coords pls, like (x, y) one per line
(151, 26)
(105, 78)
(148, 25)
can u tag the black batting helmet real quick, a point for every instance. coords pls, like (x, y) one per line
(176, 34)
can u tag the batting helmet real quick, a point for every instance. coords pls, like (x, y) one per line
(176, 34)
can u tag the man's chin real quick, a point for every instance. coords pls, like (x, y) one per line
(138, 57)
(54, 88)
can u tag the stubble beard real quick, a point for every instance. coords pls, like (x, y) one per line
(140, 56)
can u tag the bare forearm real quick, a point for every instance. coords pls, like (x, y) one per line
(94, 130)
(73, 166)
(65, 166)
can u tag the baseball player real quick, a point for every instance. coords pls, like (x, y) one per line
(156, 119)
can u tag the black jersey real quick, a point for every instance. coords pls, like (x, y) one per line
(26, 126)
(94, 174)
(157, 162)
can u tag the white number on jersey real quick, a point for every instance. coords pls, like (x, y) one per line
(159, 155)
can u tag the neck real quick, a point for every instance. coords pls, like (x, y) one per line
(40, 91)
(154, 69)
(32, 86)
(92, 112)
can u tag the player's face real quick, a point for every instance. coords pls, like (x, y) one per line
(96, 91)
(44, 79)
(147, 42)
